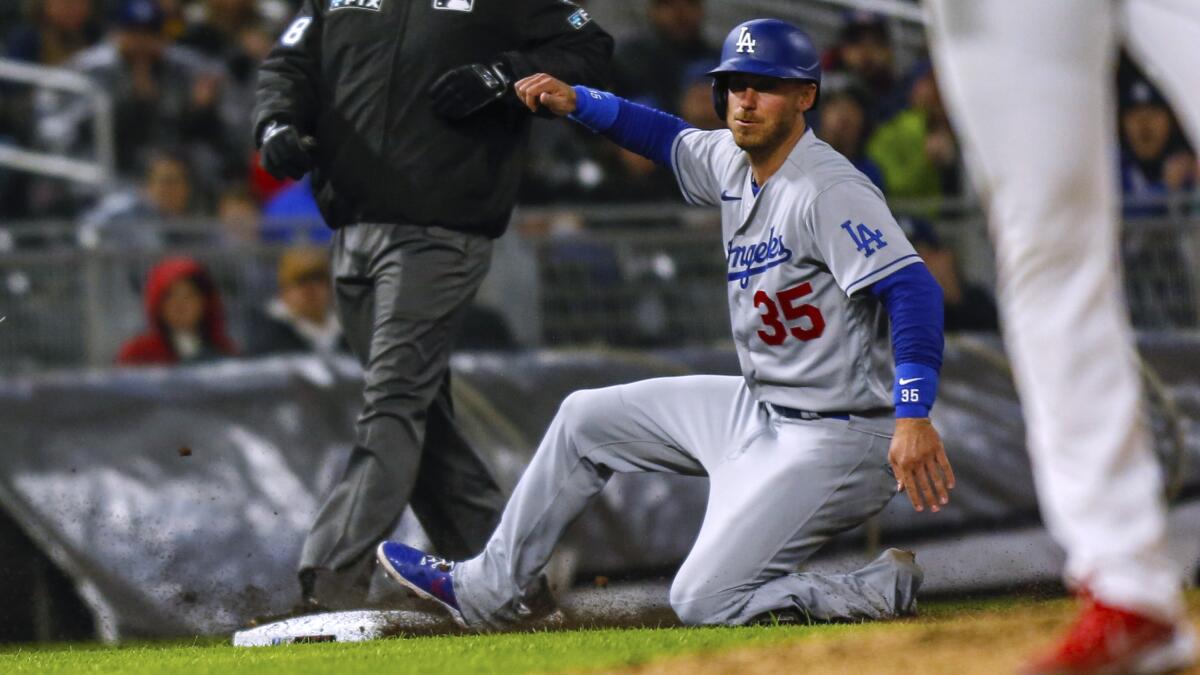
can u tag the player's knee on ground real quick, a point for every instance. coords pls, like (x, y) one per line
(697, 603)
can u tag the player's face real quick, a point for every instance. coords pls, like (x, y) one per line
(764, 112)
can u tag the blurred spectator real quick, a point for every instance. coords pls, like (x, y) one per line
(843, 125)
(633, 178)
(52, 32)
(135, 219)
(696, 106)
(916, 150)
(163, 94)
(1156, 161)
(1157, 168)
(291, 215)
(696, 97)
(864, 51)
(185, 322)
(560, 165)
(650, 67)
(300, 318)
(55, 31)
(239, 215)
(567, 163)
(134, 223)
(11, 17)
(969, 306)
(485, 328)
(570, 263)
(235, 33)
(174, 22)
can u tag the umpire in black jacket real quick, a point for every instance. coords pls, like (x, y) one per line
(404, 113)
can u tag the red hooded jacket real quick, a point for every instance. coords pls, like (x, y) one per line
(154, 346)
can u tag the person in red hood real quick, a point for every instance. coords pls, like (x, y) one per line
(186, 322)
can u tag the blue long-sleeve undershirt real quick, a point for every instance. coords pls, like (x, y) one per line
(648, 132)
(913, 300)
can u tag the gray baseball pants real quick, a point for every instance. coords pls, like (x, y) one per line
(401, 294)
(779, 489)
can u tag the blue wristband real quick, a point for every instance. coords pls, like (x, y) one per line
(915, 390)
(595, 109)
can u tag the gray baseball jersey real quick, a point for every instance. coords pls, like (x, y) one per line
(798, 255)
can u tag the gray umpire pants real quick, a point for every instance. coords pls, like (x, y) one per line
(401, 294)
(779, 489)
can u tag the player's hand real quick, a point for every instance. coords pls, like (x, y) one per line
(462, 91)
(542, 91)
(284, 153)
(919, 462)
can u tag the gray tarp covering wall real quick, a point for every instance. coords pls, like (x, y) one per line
(177, 499)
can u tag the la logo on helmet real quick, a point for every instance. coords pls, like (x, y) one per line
(746, 42)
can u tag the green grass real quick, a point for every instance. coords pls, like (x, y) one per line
(508, 653)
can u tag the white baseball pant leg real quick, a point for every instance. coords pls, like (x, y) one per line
(1029, 85)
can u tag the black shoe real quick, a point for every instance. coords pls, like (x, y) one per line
(337, 590)
(305, 607)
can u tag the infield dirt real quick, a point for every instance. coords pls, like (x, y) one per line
(946, 642)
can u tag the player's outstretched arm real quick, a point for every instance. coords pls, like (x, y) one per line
(648, 132)
(913, 301)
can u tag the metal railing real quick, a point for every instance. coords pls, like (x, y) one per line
(98, 173)
(646, 276)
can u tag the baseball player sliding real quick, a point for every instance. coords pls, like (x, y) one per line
(797, 449)
(1029, 85)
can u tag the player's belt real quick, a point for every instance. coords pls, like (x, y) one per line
(797, 414)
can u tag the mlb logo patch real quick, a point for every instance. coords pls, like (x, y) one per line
(579, 19)
(454, 5)
(372, 5)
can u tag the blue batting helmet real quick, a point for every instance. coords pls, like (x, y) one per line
(767, 47)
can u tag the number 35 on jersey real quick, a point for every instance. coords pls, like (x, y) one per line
(804, 321)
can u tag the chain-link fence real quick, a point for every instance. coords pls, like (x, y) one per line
(641, 277)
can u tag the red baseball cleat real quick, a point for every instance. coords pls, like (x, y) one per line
(1106, 640)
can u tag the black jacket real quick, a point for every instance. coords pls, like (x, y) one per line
(267, 334)
(357, 79)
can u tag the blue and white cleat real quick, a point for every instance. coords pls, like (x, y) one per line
(428, 576)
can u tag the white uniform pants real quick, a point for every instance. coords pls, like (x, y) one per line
(1029, 84)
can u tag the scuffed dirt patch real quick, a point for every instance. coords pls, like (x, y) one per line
(950, 643)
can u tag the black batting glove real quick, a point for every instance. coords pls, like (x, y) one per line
(462, 91)
(284, 153)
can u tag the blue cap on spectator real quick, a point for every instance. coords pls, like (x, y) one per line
(1138, 91)
(144, 14)
(919, 231)
(1134, 88)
